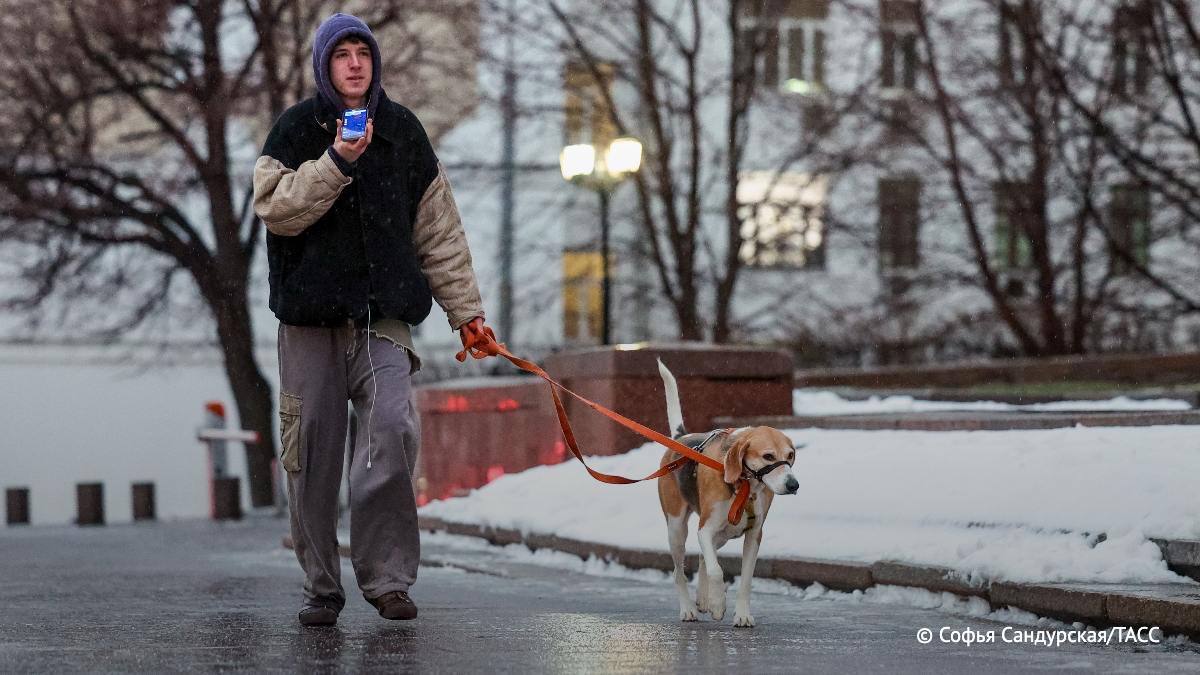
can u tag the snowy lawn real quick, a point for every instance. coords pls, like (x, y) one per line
(1015, 505)
(814, 402)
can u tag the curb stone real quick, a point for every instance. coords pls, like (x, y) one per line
(1182, 556)
(1048, 600)
(940, 579)
(1065, 602)
(1174, 616)
(841, 575)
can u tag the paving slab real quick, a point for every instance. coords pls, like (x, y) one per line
(198, 596)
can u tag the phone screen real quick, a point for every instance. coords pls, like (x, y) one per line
(354, 124)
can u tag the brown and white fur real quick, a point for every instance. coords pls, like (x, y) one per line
(751, 448)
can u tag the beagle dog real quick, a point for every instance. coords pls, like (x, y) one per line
(761, 454)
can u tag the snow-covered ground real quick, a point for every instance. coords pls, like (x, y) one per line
(815, 402)
(1016, 505)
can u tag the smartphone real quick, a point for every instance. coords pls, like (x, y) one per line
(354, 124)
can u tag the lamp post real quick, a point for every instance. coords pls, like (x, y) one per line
(601, 169)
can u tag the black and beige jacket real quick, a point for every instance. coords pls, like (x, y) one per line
(386, 236)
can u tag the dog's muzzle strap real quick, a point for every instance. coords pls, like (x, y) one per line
(766, 469)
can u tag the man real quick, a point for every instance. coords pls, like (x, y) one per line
(362, 236)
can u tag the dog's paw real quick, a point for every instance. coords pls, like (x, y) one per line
(687, 614)
(743, 621)
(715, 603)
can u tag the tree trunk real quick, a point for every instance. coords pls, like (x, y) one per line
(251, 392)
(740, 89)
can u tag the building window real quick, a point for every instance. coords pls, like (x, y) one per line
(1133, 25)
(898, 44)
(899, 223)
(589, 117)
(583, 276)
(782, 218)
(1129, 226)
(1014, 249)
(784, 43)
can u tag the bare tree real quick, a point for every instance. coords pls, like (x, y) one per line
(1032, 128)
(1141, 103)
(659, 54)
(125, 164)
(1011, 147)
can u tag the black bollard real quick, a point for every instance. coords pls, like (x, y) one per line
(227, 499)
(17, 505)
(143, 501)
(89, 498)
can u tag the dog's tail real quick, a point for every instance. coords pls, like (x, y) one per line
(674, 411)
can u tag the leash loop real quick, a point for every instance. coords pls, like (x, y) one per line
(480, 344)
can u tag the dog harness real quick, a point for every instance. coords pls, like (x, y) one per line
(686, 478)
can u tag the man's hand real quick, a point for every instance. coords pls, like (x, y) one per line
(352, 150)
(473, 328)
(474, 334)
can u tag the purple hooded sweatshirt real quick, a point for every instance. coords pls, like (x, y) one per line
(329, 33)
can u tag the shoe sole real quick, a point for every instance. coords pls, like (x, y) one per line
(400, 615)
(328, 617)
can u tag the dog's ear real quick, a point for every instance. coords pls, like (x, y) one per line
(734, 457)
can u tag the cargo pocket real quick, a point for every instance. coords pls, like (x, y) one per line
(289, 431)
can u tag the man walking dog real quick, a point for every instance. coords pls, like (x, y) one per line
(362, 236)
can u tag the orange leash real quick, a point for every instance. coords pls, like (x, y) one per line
(483, 345)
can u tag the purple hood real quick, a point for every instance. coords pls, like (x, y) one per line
(329, 33)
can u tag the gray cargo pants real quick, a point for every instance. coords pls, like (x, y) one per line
(320, 369)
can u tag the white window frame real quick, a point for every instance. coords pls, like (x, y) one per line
(806, 81)
(900, 30)
(783, 219)
(788, 82)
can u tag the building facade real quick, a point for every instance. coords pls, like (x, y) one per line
(916, 181)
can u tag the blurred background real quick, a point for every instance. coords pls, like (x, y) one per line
(873, 186)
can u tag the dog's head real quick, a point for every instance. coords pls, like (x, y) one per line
(765, 453)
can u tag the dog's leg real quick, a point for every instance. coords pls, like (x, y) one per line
(715, 579)
(741, 608)
(702, 587)
(677, 536)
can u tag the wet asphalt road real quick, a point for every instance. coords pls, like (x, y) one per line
(199, 596)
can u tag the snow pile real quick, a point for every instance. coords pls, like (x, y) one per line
(810, 402)
(1015, 505)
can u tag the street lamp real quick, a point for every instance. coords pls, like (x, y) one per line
(601, 169)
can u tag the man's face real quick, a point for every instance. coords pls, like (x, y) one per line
(350, 69)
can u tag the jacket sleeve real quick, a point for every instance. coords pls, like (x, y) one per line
(289, 200)
(441, 245)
